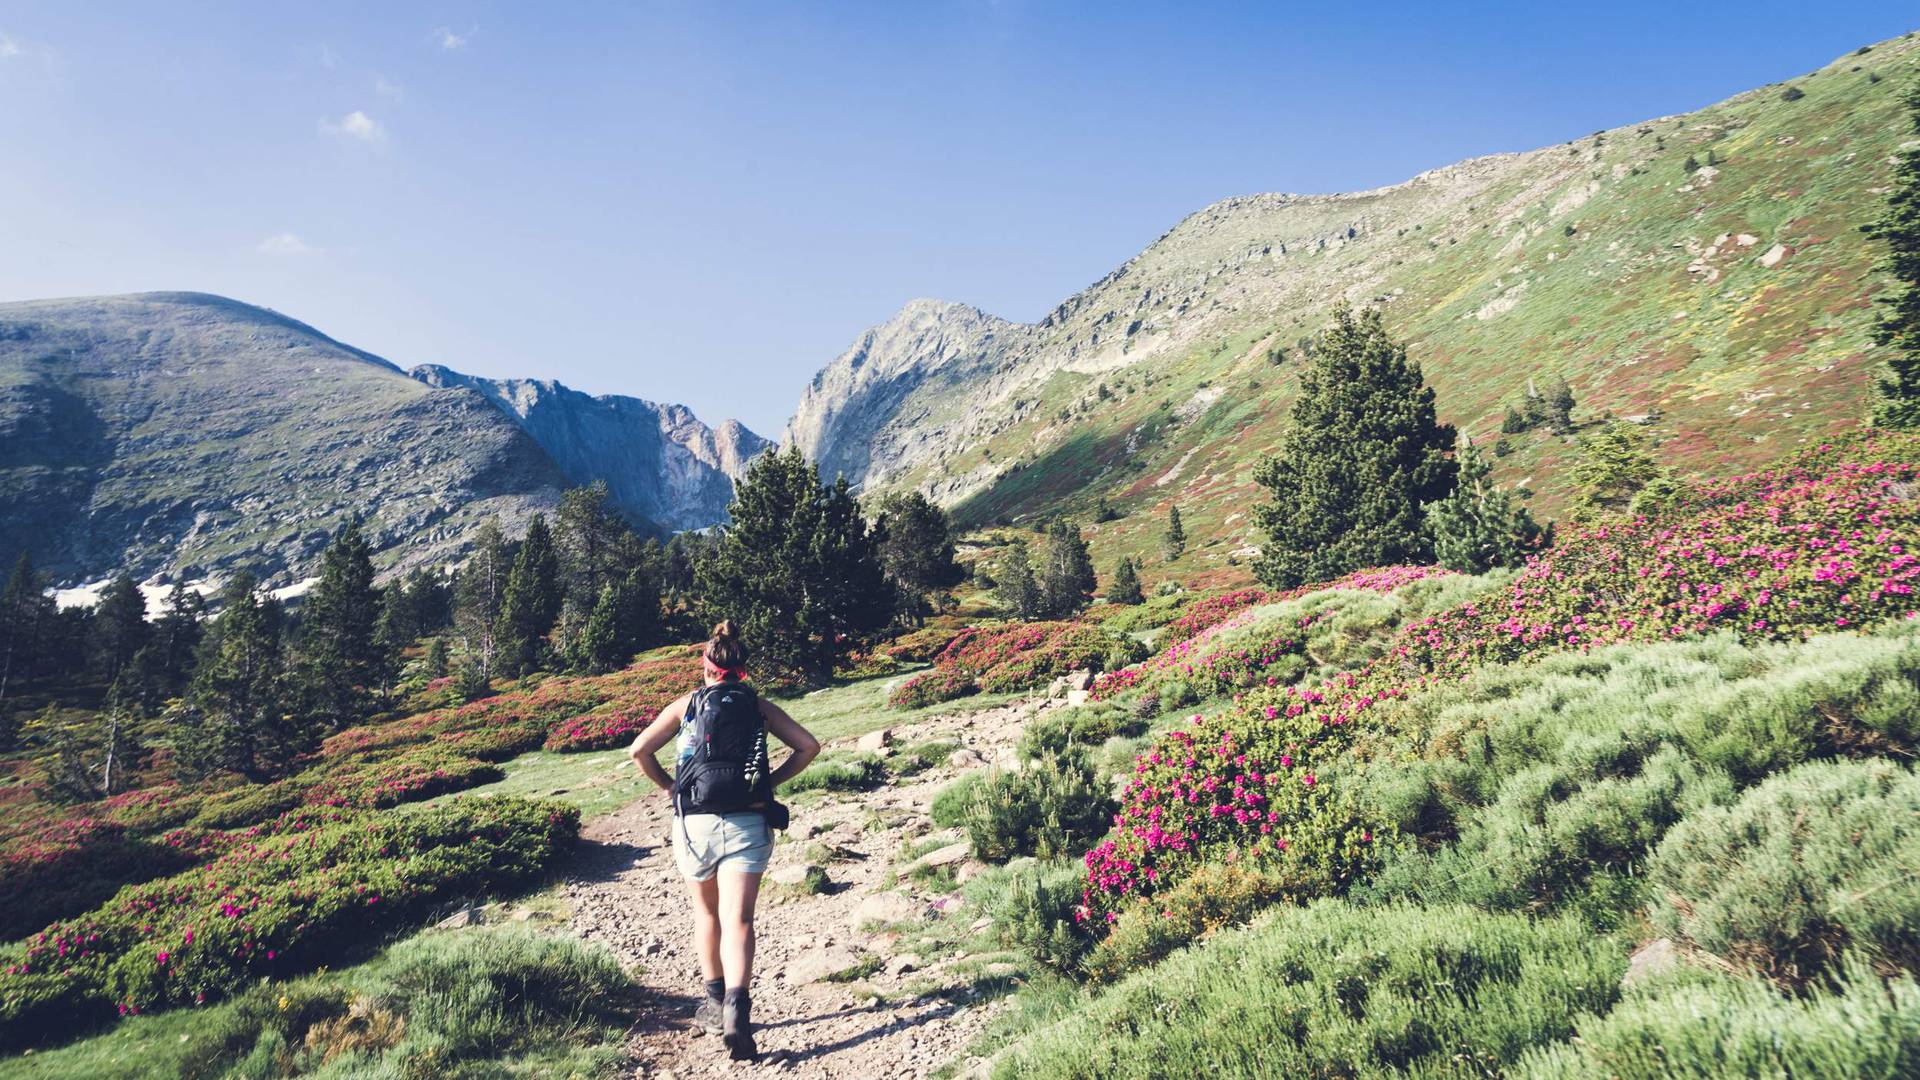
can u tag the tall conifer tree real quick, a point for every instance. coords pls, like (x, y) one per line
(1364, 454)
(1897, 403)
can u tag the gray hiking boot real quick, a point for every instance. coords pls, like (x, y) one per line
(737, 1026)
(706, 1015)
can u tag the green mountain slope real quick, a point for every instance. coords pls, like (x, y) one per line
(1728, 305)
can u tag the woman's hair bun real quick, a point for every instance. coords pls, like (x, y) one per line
(725, 629)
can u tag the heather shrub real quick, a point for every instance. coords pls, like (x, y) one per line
(931, 688)
(1714, 1027)
(475, 1003)
(1814, 863)
(74, 865)
(1053, 806)
(253, 802)
(1014, 656)
(290, 899)
(1334, 990)
(920, 646)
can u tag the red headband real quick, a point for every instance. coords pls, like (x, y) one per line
(718, 672)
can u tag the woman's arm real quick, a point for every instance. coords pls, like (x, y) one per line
(658, 734)
(788, 730)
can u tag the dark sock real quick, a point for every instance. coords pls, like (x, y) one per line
(736, 993)
(715, 988)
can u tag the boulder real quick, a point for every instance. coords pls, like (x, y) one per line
(889, 907)
(965, 758)
(875, 741)
(946, 856)
(819, 964)
(1655, 957)
(794, 874)
(1080, 680)
(1079, 697)
(467, 916)
(902, 964)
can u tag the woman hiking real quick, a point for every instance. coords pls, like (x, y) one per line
(724, 815)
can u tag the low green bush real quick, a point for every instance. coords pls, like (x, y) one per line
(1053, 806)
(1059, 730)
(1212, 898)
(1548, 784)
(1815, 863)
(1332, 990)
(1034, 908)
(949, 808)
(839, 772)
(1724, 1028)
(921, 756)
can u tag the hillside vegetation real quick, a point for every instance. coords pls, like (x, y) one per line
(1702, 272)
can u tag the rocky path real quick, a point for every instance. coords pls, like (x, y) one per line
(834, 994)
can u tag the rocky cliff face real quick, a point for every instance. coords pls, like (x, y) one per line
(1703, 272)
(192, 436)
(855, 419)
(660, 463)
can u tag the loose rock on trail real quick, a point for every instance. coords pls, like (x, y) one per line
(834, 993)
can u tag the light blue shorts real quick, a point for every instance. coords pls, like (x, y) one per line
(703, 843)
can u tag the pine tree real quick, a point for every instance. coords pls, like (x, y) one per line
(916, 544)
(437, 662)
(599, 644)
(1897, 400)
(591, 542)
(234, 716)
(1124, 588)
(797, 567)
(25, 611)
(1175, 543)
(177, 636)
(119, 626)
(1014, 586)
(1066, 578)
(480, 591)
(392, 634)
(1365, 452)
(532, 601)
(1556, 406)
(1477, 527)
(1615, 468)
(341, 662)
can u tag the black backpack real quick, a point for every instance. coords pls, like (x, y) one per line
(728, 771)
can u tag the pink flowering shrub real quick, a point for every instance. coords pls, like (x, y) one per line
(1210, 611)
(278, 902)
(1823, 544)
(645, 689)
(1017, 656)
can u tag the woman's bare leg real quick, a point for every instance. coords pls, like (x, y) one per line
(706, 925)
(738, 894)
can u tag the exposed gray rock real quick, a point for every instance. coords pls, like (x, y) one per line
(660, 463)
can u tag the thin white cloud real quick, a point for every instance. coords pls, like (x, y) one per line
(285, 243)
(328, 58)
(10, 48)
(388, 89)
(356, 125)
(449, 41)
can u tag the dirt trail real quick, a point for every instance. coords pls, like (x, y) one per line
(625, 892)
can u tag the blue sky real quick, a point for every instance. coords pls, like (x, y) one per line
(704, 202)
